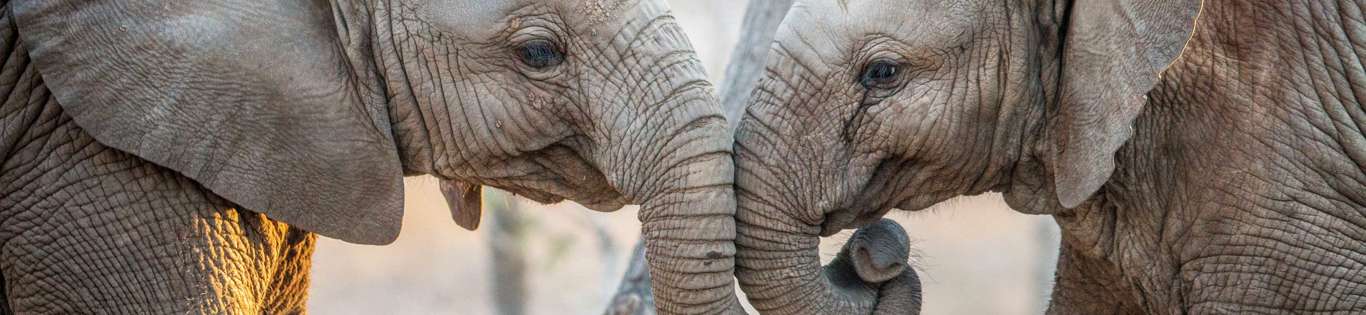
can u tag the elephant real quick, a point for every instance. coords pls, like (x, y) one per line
(1198, 156)
(182, 156)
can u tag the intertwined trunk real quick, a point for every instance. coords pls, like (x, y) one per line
(746, 66)
(689, 233)
(778, 265)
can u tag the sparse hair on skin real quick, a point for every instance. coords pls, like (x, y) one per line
(599, 11)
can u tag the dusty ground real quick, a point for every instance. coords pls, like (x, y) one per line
(975, 255)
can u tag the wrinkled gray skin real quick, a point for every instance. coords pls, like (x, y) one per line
(1235, 186)
(136, 135)
(874, 261)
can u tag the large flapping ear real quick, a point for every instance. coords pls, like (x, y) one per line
(466, 202)
(1112, 55)
(250, 98)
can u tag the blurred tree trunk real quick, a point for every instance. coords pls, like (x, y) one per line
(748, 60)
(633, 294)
(507, 240)
(746, 67)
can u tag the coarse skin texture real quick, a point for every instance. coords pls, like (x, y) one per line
(135, 136)
(86, 228)
(876, 259)
(1237, 182)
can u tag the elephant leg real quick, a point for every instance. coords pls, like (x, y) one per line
(1088, 286)
(88, 229)
(288, 292)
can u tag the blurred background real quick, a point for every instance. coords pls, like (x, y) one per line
(974, 255)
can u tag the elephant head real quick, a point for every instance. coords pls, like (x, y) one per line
(880, 104)
(312, 111)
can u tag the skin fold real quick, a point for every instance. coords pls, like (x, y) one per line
(172, 157)
(1199, 156)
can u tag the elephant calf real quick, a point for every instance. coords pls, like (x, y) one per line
(178, 156)
(1228, 178)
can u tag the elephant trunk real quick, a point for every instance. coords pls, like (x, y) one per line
(778, 266)
(689, 231)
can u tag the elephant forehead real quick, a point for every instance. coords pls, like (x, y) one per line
(469, 18)
(885, 8)
(598, 11)
(480, 19)
(611, 15)
(835, 25)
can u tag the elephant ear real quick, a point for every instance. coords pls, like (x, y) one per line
(252, 99)
(1112, 55)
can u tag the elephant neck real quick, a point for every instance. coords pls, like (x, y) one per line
(1087, 285)
(1247, 142)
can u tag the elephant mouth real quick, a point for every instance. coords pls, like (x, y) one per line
(870, 201)
(844, 219)
(605, 201)
(558, 173)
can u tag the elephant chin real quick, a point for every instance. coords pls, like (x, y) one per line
(870, 275)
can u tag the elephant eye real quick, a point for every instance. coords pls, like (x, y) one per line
(540, 54)
(880, 74)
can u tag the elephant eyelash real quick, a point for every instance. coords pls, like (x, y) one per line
(540, 54)
(881, 73)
